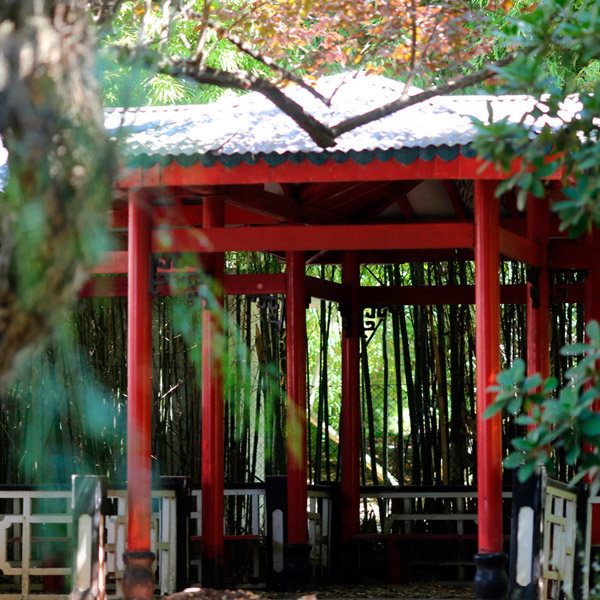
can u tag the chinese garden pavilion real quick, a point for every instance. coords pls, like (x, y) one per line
(239, 175)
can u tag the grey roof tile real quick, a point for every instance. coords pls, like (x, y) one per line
(252, 124)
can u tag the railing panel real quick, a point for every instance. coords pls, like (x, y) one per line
(547, 558)
(417, 524)
(319, 529)
(244, 520)
(35, 541)
(162, 538)
(28, 549)
(559, 542)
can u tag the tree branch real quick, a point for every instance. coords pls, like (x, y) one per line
(320, 133)
(445, 88)
(268, 62)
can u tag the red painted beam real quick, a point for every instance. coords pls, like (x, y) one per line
(255, 283)
(112, 263)
(116, 262)
(268, 238)
(574, 256)
(350, 413)
(487, 316)
(139, 376)
(430, 295)
(457, 204)
(235, 285)
(437, 168)
(326, 290)
(453, 294)
(390, 257)
(213, 459)
(191, 216)
(256, 200)
(116, 287)
(104, 287)
(296, 404)
(515, 247)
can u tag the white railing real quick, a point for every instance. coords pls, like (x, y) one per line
(250, 528)
(411, 513)
(402, 507)
(319, 527)
(162, 539)
(560, 536)
(27, 551)
(24, 549)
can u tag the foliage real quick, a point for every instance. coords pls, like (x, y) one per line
(558, 66)
(164, 48)
(61, 167)
(556, 416)
(61, 162)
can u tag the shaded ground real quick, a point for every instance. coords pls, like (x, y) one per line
(414, 590)
(410, 591)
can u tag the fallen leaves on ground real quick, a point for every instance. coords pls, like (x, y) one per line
(433, 591)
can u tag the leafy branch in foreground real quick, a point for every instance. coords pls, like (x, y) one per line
(558, 70)
(276, 44)
(555, 416)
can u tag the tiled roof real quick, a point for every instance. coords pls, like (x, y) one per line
(251, 125)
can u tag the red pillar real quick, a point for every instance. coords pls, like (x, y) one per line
(212, 409)
(490, 579)
(350, 417)
(139, 375)
(297, 548)
(538, 290)
(296, 407)
(138, 558)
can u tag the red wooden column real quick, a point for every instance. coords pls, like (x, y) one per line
(490, 579)
(350, 415)
(296, 551)
(139, 398)
(212, 408)
(538, 290)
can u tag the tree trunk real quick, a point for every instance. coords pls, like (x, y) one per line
(61, 171)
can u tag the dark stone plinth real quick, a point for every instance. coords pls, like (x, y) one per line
(138, 580)
(213, 573)
(491, 580)
(297, 567)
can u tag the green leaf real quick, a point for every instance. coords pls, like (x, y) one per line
(532, 382)
(525, 419)
(506, 378)
(526, 471)
(593, 331)
(591, 426)
(493, 409)
(514, 460)
(574, 350)
(549, 385)
(573, 455)
(514, 406)
(524, 444)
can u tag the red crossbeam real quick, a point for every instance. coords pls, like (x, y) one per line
(315, 237)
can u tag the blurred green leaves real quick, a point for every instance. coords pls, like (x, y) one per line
(559, 58)
(555, 416)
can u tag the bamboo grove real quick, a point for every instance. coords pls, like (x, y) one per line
(67, 412)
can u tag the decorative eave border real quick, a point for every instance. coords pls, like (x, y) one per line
(403, 156)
